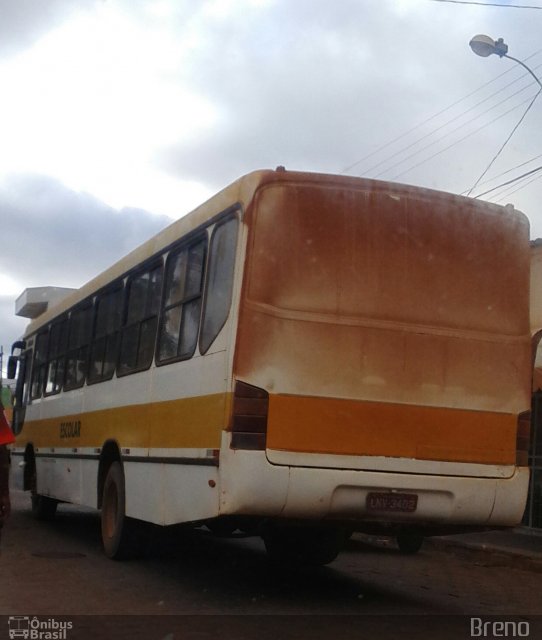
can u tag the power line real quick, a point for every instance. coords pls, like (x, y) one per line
(499, 188)
(487, 124)
(505, 142)
(511, 189)
(431, 133)
(510, 186)
(502, 190)
(453, 143)
(436, 115)
(519, 188)
(491, 4)
(510, 181)
(391, 156)
(499, 175)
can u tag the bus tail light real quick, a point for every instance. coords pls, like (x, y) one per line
(249, 421)
(523, 439)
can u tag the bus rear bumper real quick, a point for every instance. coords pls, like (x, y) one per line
(250, 485)
(440, 499)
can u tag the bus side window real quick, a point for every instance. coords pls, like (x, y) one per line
(182, 302)
(39, 369)
(104, 349)
(219, 282)
(58, 343)
(22, 391)
(139, 331)
(78, 346)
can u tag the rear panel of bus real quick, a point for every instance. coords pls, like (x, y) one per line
(383, 347)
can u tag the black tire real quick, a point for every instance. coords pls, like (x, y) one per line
(43, 507)
(409, 542)
(222, 527)
(305, 546)
(120, 535)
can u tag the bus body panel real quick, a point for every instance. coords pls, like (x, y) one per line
(176, 412)
(341, 494)
(180, 493)
(336, 426)
(385, 323)
(195, 421)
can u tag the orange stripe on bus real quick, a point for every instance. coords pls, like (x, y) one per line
(190, 422)
(335, 426)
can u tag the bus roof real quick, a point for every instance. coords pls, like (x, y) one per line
(239, 192)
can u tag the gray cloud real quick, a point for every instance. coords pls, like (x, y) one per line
(314, 85)
(12, 326)
(54, 236)
(319, 86)
(24, 21)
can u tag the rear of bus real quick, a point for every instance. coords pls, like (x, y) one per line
(382, 364)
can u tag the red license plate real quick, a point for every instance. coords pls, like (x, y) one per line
(392, 502)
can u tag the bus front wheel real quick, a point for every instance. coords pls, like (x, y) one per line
(119, 536)
(43, 507)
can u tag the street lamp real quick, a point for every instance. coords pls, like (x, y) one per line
(485, 46)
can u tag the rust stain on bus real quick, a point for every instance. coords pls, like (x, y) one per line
(384, 324)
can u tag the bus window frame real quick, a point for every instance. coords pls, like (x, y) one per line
(84, 305)
(231, 216)
(146, 267)
(200, 236)
(62, 356)
(37, 367)
(115, 286)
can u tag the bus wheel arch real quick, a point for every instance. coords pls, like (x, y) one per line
(43, 507)
(122, 537)
(109, 454)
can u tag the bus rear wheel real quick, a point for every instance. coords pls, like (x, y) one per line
(119, 533)
(43, 507)
(312, 546)
(409, 542)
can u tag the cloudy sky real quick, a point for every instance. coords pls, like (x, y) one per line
(117, 116)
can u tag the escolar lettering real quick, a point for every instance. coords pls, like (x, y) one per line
(70, 429)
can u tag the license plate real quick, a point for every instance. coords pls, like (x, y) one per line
(392, 502)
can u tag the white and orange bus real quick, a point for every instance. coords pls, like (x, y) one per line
(301, 356)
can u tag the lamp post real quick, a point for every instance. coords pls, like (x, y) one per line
(485, 46)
